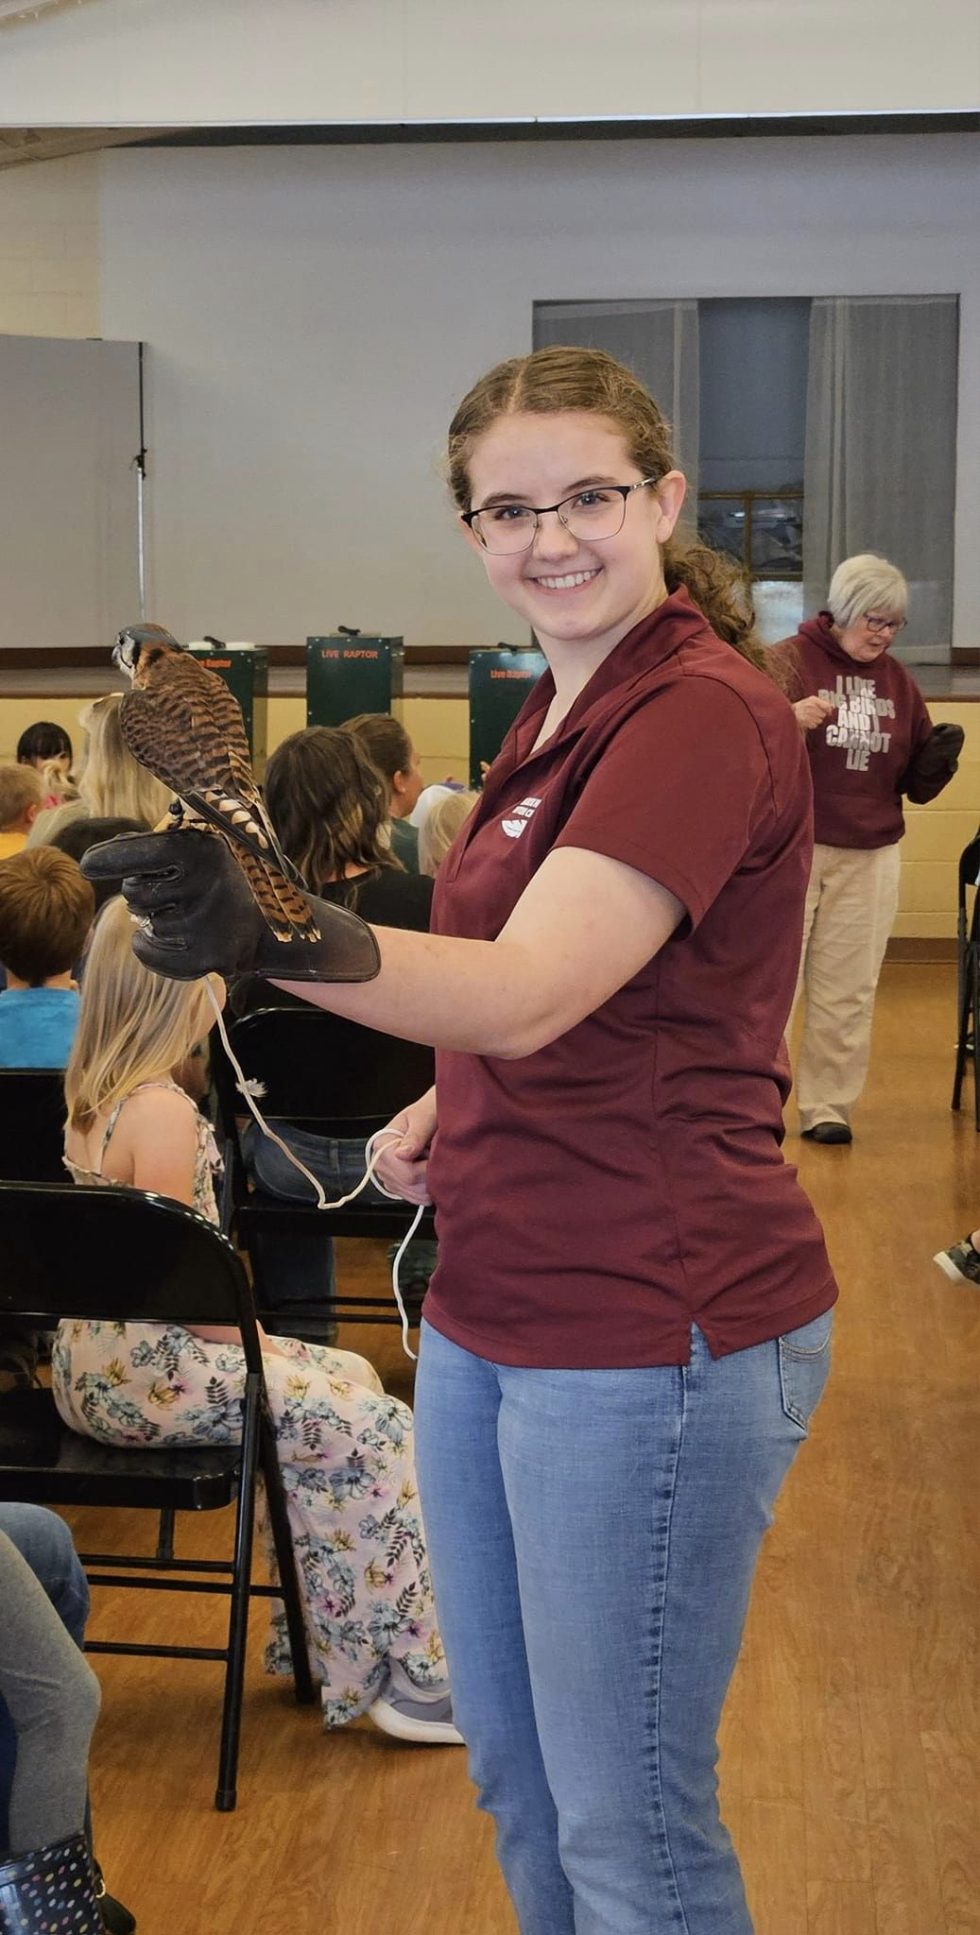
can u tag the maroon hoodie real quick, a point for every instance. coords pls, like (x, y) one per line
(859, 758)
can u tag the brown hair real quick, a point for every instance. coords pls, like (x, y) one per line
(556, 379)
(46, 909)
(386, 743)
(20, 787)
(329, 804)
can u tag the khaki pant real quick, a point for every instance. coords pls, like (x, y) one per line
(850, 910)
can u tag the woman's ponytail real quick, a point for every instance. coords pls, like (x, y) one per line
(720, 588)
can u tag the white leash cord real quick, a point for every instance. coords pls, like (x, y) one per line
(372, 1155)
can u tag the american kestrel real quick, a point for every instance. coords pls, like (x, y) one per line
(182, 723)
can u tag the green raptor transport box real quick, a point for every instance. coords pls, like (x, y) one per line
(500, 680)
(245, 670)
(351, 672)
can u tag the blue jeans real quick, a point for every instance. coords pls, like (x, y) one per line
(45, 1542)
(593, 1536)
(298, 1274)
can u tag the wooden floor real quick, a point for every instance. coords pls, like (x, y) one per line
(851, 1741)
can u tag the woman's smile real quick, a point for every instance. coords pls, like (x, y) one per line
(567, 581)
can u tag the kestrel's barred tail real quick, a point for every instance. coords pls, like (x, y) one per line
(282, 905)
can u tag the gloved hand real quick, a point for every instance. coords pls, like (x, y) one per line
(196, 916)
(933, 766)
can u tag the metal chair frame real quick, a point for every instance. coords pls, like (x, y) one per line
(121, 1254)
(334, 1078)
(968, 976)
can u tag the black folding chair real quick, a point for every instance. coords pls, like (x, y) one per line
(32, 1124)
(122, 1255)
(334, 1078)
(968, 974)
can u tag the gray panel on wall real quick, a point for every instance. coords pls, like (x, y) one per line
(753, 353)
(69, 431)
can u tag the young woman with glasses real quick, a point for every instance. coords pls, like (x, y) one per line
(870, 741)
(628, 1329)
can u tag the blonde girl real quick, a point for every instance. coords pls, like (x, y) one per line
(112, 784)
(445, 818)
(350, 1482)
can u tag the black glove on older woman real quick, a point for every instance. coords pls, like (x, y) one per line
(933, 765)
(195, 915)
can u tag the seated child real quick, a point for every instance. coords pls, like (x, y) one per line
(345, 1448)
(47, 748)
(46, 909)
(20, 804)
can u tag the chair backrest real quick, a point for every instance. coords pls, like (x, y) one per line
(318, 1069)
(969, 865)
(120, 1255)
(32, 1124)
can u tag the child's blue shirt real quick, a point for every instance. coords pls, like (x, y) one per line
(37, 1026)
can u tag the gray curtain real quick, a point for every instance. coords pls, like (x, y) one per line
(658, 341)
(880, 469)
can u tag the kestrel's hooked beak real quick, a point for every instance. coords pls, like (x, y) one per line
(125, 652)
(130, 641)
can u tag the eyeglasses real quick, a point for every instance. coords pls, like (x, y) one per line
(878, 626)
(592, 515)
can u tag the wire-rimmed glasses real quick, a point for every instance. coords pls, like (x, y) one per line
(591, 515)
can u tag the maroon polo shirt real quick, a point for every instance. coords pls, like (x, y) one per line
(597, 1198)
(859, 756)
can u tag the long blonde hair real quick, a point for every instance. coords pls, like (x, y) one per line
(134, 1026)
(113, 785)
(570, 378)
(440, 827)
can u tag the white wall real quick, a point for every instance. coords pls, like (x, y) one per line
(177, 61)
(314, 314)
(49, 249)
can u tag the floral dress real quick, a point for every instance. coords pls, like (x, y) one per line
(345, 1450)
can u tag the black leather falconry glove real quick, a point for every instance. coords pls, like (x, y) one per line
(933, 765)
(195, 915)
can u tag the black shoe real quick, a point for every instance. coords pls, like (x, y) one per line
(116, 1919)
(828, 1132)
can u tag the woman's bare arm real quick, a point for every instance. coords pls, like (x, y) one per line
(584, 926)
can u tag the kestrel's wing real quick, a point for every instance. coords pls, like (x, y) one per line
(185, 726)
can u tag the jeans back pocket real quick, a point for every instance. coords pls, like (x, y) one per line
(804, 1365)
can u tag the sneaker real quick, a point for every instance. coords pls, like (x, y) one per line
(429, 1722)
(961, 1262)
(828, 1132)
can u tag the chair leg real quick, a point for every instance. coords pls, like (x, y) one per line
(165, 1533)
(968, 1003)
(974, 980)
(231, 1714)
(282, 1538)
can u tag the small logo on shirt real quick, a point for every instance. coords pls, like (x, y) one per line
(516, 822)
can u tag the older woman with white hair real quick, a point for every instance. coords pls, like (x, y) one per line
(870, 740)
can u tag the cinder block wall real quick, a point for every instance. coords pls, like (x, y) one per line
(439, 729)
(937, 835)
